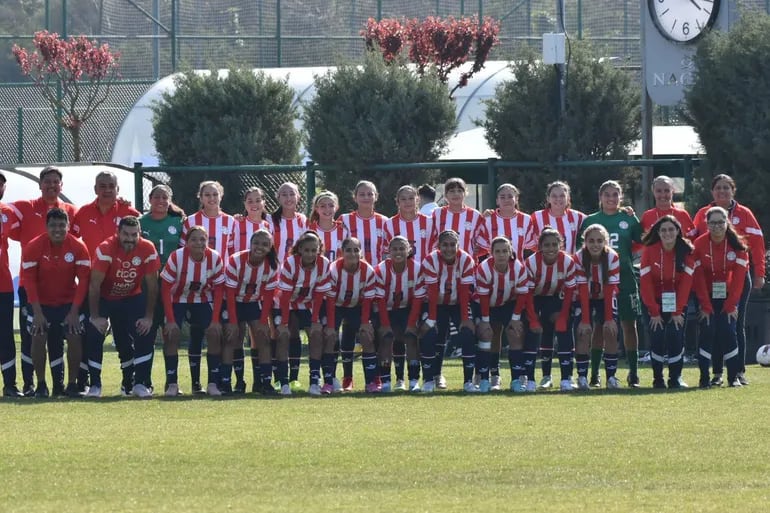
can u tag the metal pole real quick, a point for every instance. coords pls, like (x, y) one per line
(491, 182)
(462, 7)
(48, 14)
(138, 184)
(59, 111)
(278, 48)
(647, 149)
(155, 41)
(379, 10)
(309, 185)
(580, 19)
(173, 35)
(20, 135)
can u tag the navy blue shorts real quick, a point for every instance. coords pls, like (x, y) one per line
(55, 316)
(248, 312)
(350, 314)
(497, 314)
(199, 314)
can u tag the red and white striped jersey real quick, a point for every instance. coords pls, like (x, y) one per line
(448, 276)
(417, 231)
(286, 232)
(517, 229)
(244, 229)
(191, 281)
(550, 280)
(568, 225)
(400, 289)
(348, 289)
(369, 231)
(594, 276)
(249, 282)
(501, 287)
(220, 230)
(301, 282)
(468, 225)
(332, 239)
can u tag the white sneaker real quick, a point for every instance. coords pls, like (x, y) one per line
(470, 388)
(94, 391)
(173, 390)
(213, 390)
(496, 383)
(414, 385)
(337, 384)
(428, 387)
(531, 386)
(476, 379)
(314, 390)
(400, 385)
(285, 390)
(441, 382)
(566, 385)
(583, 383)
(613, 382)
(546, 383)
(141, 391)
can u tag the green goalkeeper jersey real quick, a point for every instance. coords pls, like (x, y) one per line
(624, 231)
(164, 233)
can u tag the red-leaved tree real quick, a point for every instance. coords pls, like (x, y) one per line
(441, 44)
(85, 70)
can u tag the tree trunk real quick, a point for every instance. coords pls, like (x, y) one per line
(75, 132)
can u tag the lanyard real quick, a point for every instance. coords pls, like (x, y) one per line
(724, 258)
(673, 269)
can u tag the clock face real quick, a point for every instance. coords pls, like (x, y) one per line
(683, 21)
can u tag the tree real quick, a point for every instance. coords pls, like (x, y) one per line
(601, 121)
(377, 114)
(232, 118)
(84, 69)
(434, 43)
(728, 106)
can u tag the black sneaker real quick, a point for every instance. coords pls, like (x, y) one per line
(734, 382)
(595, 382)
(72, 391)
(704, 383)
(198, 389)
(29, 391)
(716, 381)
(12, 391)
(658, 383)
(240, 388)
(677, 383)
(256, 388)
(82, 386)
(57, 390)
(42, 391)
(268, 390)
(633, 381)
(226, 388)
(742, 378)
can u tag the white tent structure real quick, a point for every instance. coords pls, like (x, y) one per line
(135, 143)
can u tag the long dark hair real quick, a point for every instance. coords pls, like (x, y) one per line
(261, 193)
(174, 210)
(733, 239)
(272, 255)
(682, 246)
(604, 258)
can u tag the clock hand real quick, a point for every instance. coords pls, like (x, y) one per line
(696, 4)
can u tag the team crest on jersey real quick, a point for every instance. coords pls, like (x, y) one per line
(69, 257)
(136, 260)
(410, 283)
(5, 218)
(225, 230)
(126, 264)
(422, 233)
(623, 225)
(469, 226)
(736, 220)
(573, 226)
(731, 256)
(172, 230)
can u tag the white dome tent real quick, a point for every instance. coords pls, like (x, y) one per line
(135, 143)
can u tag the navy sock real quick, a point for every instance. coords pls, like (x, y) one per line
(582, 362)
(195, 367)
(256, 368)
(610, 364)
(315, 371)
(328, 363)
(225, 374)
(238, 358)
(295, 355)
(516, 360)
(171, 362)
(414, 369)
(482, 362)
(529, 364)
(385, 371)
(565, 364)
(213, 361)
(282, 371)
(369, 362)
(546, 358)
(267, 374)
(494, 363)
(347, 364)
(399, 362)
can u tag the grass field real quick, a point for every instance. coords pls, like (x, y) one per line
(627, 450)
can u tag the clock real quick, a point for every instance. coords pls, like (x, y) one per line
(683, 21)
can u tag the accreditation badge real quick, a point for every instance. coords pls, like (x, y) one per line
(719, 290)
(668, 304)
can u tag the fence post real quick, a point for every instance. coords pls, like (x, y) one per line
(138, 185)
(309, 185)
(687, 173)
(20, 135)
(278, 48)
(491, 182)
